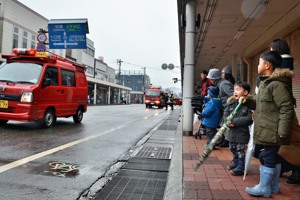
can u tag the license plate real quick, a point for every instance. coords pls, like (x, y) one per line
(152, 103)
(3, 104)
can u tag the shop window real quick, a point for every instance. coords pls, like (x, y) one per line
(24, 44)
(33, 42)
(16, 37)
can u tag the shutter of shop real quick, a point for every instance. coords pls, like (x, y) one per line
(295, 52)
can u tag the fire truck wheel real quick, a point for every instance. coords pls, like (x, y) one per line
(49, 118)
(79, 115)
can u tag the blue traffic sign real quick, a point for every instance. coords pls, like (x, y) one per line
(67, 35)
(41, 48)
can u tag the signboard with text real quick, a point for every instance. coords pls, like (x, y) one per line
(67, 35)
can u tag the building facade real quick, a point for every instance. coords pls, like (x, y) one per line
(136, 80)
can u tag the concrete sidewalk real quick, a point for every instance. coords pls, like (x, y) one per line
(213, 180)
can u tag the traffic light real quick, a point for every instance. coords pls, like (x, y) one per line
(175, 80)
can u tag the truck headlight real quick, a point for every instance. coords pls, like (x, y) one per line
(27, 97)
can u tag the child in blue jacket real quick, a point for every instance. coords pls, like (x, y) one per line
(211, 113)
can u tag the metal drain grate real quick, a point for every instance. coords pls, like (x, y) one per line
(126, 185)
(168, 125)
(154, 152)
(148, 164)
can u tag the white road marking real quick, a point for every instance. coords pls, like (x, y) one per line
(53, 150)
(28, 159)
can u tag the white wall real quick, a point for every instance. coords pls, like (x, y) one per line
(15, 14)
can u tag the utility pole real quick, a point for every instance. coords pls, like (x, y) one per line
(144, 68)
(119, 61)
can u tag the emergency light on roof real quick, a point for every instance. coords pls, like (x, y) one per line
(30, 52)
(50, 57)
(21, 51)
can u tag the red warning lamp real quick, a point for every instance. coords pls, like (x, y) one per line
(20, 51)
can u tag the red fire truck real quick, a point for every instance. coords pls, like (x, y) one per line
(41, 86)
(154, 97)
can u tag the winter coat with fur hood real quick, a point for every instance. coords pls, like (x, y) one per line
(239, 133)
(274, 105)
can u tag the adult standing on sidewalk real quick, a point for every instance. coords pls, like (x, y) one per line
(172, 99)
(205, 83)
(226, 88)
(166, 100)
(227, 74)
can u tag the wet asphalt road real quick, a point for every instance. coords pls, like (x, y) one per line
(62, 162)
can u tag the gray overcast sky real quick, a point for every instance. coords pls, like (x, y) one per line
(141, 32)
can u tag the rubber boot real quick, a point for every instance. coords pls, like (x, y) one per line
(264, 186)
(275, 183)
(239, 170)
(234, 163)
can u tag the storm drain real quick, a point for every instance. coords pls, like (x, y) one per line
(154, 152)
(168, 125)
(146, 164)
(145, 175)
(130, 184)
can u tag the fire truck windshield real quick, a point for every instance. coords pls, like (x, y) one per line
(20, 72)
(152, 93)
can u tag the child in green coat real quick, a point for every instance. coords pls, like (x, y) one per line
(274, 105)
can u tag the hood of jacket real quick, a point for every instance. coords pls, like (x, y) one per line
(217, 101)
(232, 98)
(281, 74)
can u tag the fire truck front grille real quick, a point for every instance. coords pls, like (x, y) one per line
(10, 97)
(7, 110)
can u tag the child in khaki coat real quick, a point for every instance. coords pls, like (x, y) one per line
(274, 105)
